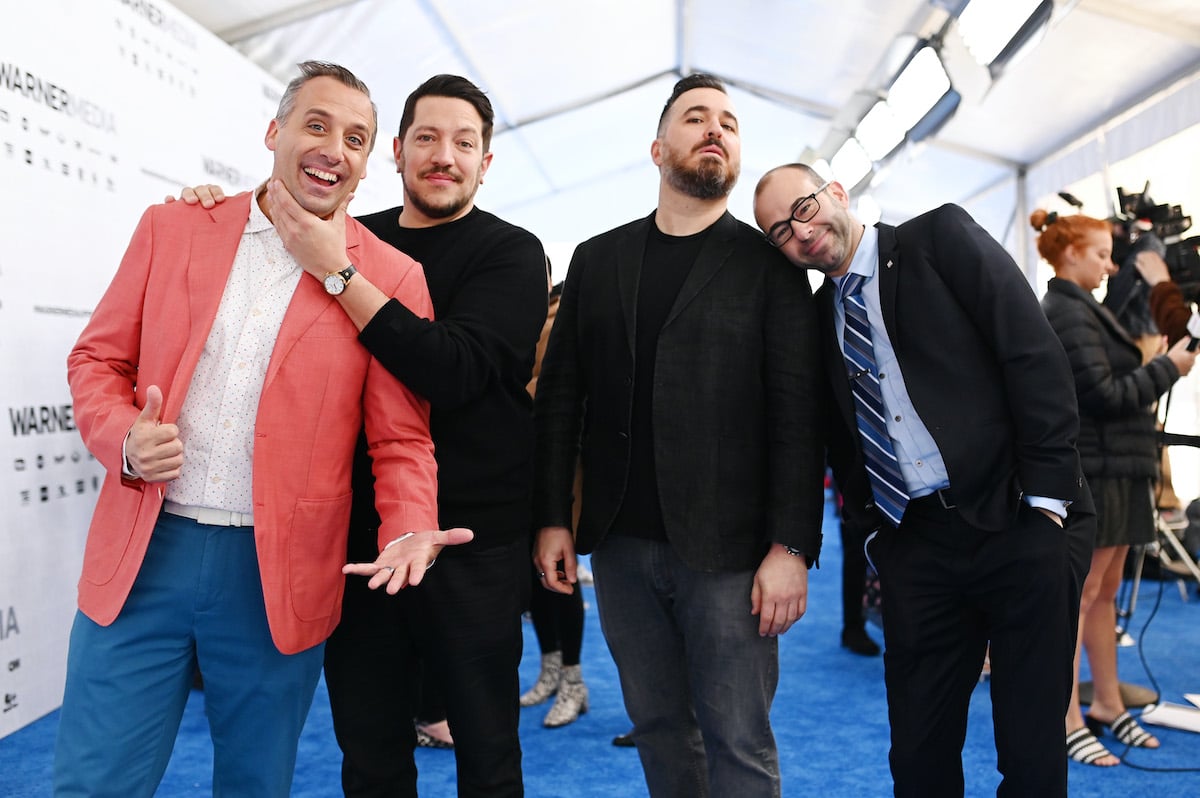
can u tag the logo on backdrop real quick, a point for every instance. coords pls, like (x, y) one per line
(144, 49)
(44, 420)
(151, 13)
(49, 128)
(44, 92)
(223, 173)
(54, 473)
(9, 629)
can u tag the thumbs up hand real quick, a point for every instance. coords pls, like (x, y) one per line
(153, 450)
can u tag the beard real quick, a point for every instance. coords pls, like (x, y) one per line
(448, 206)
(843, 235)
(711, 178)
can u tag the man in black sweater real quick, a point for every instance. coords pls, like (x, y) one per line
(488, 282)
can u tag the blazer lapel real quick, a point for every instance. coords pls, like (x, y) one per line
(209, 260)
(886, 274)
(308, 302)
(713, 255)
(835, 361)
(631, 251)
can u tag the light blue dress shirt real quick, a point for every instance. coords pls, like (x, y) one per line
(921, 463)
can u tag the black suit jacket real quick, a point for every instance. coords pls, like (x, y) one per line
(735, 411)
(986, 373)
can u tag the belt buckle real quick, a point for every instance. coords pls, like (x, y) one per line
(945, 502)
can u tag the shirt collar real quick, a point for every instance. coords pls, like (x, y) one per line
(258, 221)
(866, 257)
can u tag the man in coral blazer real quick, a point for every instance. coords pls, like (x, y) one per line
(225, 391)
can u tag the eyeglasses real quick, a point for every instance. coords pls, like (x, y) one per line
(803, 210)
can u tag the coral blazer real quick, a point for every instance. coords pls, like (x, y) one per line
(321, 389)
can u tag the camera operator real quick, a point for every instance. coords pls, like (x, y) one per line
(1156, 281)
(1144, 293)
(1167, 306)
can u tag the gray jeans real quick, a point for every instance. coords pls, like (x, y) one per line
(698, 680)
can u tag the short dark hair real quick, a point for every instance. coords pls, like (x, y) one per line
(458, 88)
(324, 69)
(698, 80)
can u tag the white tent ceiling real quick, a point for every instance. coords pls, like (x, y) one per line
(577, 86)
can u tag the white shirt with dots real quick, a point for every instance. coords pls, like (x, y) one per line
(216, 423)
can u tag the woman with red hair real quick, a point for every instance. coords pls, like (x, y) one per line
(1116, 393)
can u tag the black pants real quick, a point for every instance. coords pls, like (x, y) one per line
(464, 623)
(949, 589)
(854, 579)
(557, 620)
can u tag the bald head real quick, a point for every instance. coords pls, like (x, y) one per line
(828, 235)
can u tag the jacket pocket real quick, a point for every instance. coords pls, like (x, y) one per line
(316, 553)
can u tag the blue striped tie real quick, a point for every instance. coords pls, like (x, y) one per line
(887, 483)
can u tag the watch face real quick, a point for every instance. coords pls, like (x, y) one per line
(335, 283)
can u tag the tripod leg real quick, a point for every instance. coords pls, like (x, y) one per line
(1124, 614)
(1178, 557)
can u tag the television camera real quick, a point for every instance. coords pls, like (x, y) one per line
(1141, 224)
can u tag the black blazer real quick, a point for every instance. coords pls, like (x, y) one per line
(735, 412)
(985, 372)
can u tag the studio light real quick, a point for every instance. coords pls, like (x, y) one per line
(932, 122)
(918, 93)
(918, 87)
(879, 132)
(996, 31)
(851, 164)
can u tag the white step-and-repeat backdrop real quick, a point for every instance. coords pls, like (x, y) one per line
(106, 106)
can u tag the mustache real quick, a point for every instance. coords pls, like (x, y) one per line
(440, 170)
(712, 143)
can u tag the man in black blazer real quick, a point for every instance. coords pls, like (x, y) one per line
(681, 368)
(993, 534)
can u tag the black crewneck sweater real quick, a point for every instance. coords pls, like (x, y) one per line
(487, 280)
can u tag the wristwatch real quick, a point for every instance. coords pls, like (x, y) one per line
(335, 282)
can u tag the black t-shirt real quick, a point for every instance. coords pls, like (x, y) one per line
(667, 262)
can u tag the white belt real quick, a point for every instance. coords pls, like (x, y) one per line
(206, 515)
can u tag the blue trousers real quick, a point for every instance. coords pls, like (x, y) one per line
(197, 601)
(698, 680)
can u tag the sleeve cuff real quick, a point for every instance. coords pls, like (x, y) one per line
(126, 469)
(1056, 506)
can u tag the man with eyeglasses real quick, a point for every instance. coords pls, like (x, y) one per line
(854, 560)
(952, 427)
(682, 361)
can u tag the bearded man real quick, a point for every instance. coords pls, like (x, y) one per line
(680, 368)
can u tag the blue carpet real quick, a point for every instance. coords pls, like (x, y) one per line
(830, 720)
